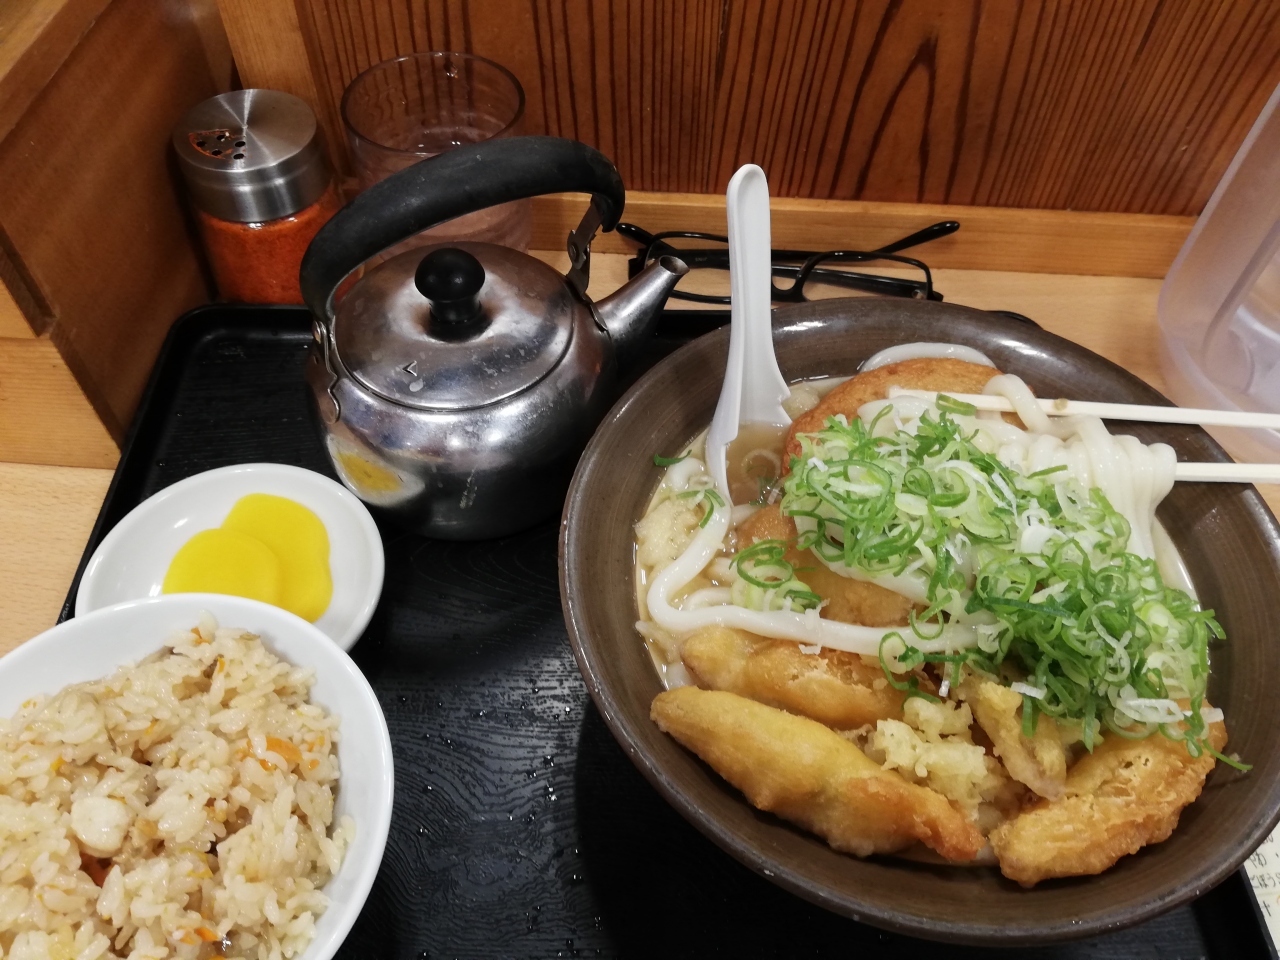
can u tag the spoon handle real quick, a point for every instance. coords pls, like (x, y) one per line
(751, 279)
(753, 388)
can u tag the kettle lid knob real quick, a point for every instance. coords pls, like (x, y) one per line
(450, 278)
(456, 327)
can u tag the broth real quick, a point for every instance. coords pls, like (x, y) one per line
(753, 462)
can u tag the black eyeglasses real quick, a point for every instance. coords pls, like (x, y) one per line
(811, 273)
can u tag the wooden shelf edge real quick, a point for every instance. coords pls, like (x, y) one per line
(990, 238)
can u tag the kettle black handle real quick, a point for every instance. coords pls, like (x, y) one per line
(459, 181)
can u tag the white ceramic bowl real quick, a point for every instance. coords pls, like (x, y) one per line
(132, 559)
(96, 644)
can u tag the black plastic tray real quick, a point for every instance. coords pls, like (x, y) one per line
(520, 827)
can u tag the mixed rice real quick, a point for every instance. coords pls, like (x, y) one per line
(179, 808)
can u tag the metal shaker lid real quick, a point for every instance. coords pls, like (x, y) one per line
(251, 155)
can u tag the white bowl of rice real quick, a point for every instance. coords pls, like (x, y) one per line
(187, 776)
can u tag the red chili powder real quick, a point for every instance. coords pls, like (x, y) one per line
(259, 262)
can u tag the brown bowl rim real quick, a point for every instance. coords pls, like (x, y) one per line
(625, 730)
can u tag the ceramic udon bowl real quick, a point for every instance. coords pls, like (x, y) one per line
(1227, 536)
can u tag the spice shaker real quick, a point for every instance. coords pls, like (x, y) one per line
(257, 176)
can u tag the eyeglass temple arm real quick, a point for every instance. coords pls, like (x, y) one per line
(635, 234)
(932, 232)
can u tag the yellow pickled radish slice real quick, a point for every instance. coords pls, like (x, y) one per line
(225, 561)
(299, 539)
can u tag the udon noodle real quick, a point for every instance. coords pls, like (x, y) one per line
(923, 578)
(1134, 476)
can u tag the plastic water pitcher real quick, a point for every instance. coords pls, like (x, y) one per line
(1219, 306)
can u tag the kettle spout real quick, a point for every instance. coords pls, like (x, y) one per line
(628, 314)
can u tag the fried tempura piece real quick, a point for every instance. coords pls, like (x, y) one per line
(808, 774)
(848, 600)
(944, 374)
(768, 523)
(1040, 762)
(833, 687)
(1124, 795)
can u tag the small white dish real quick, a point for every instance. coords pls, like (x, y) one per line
(96, 644)
(132, 559)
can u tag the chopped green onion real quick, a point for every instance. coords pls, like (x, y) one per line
(767, 581)
(700, 495)
(910, 658)
(659, 461)
(947, 404)
(1088, 623)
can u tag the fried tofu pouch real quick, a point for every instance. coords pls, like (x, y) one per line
(848, 600)
(835, 688)
(926, 373)
(1123, 796)
(810, 775)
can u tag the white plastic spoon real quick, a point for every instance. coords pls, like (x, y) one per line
(753, 388)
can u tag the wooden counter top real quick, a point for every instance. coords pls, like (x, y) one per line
(46, 512)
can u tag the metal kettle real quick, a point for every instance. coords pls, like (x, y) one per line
(457, 384)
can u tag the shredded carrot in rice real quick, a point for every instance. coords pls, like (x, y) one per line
(284, 749)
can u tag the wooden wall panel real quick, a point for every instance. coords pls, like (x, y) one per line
(98, 225)
(36, 37)
(1133, 106)
(272, 50)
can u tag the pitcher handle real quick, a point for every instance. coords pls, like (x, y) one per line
(460, 181)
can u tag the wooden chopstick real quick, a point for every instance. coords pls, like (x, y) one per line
(1112, 411)
(1194, 472)
(1228, 472)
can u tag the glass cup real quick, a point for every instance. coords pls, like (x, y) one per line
(404, 110)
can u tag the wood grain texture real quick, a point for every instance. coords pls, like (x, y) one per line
(271, 44)
(98, 224)
(1059, 104)
(24, 312)
(990, 238)
(36, 37)
(207, 19)
(46, 514)
(13, 322)
(44, 415)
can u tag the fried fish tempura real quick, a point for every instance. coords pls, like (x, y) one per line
(1040, 761)
(833, 687)
(927, 373)
(848, 600)
(808, 774)
(1124, 795)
